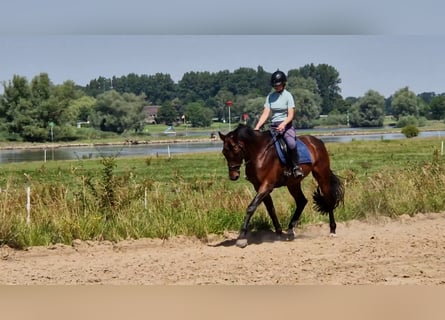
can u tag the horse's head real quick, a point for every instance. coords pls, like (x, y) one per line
(233, 152)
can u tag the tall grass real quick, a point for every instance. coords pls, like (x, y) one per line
(120, 198)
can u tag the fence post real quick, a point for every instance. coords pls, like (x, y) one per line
(28, 205)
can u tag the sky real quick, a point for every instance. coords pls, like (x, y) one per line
(378, 45)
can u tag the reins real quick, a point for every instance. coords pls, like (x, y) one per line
(237, 167)
(272, 143)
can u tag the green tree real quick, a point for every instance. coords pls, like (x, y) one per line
(15, 99)
(437, 107)
(253, 107)
(159, 88)
(83, 107)
(427, 97)
(328, 83)
(29, 109)
(58, 108)
(307, 108)
(195, 86)
(368, 111)
(167, 114)
(40, 88)
(242, 81)
(262, 83)
(19, 112)
(198, 115)
(307, 100)
(221, 98)
(348, 103)
(98, 86)
(56, 115)
(118, 112)
(404, 103)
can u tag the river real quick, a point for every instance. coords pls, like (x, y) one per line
(89, 152)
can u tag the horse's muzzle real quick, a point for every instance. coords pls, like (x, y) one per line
(234, 172)
(234, 175)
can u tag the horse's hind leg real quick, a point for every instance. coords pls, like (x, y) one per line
(300, 202)
(332, 224)
(327, 196)
(272, 214)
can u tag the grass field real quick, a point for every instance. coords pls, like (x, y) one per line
(116, 198)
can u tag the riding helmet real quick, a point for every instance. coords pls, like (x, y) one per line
(278, 78)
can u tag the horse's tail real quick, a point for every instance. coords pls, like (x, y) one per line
(327, 203)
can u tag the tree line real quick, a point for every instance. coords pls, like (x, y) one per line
(29, 110)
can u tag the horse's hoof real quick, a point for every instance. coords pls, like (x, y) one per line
(241, 243)
(332, 235)
(279, 236)
(290, 234)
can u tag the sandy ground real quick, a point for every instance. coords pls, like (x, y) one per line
(409, 250)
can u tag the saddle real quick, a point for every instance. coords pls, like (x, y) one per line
(281, 147)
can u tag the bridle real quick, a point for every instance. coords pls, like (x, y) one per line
(235, 167)
(240, 151)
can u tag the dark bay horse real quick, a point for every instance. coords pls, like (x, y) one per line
(266, 171)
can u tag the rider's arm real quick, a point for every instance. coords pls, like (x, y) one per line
(289, 119)
(263, 118)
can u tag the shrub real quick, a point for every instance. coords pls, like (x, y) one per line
(411, 120)
(410, 131)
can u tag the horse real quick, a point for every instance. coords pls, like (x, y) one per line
(266, 170)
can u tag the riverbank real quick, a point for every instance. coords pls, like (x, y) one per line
(27, 145)
(184, 139)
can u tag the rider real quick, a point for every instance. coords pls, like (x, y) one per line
(280, 104)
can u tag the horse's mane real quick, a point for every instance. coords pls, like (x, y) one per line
(245, 132)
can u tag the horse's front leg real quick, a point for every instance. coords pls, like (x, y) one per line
(272, 214)
(242, 237)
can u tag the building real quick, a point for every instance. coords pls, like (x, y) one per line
(151, 114)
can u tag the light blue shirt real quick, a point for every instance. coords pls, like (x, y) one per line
(279, 103)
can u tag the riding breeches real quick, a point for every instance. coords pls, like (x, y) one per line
(288, 134)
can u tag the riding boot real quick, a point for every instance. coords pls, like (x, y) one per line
(294, 158)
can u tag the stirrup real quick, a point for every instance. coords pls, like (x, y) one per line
(296, 171)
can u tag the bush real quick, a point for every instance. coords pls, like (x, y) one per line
(410, 131)
(407, 121)
(411, 120)
(65, 133)
(333, 119)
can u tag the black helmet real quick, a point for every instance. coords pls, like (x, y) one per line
(278, 78)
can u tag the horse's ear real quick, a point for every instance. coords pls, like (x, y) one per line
(222, 136)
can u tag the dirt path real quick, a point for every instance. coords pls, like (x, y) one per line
(403, 251)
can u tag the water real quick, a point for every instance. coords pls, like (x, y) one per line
(72, 153)
(379, 136)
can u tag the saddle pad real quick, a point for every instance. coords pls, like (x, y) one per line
(303, 152)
